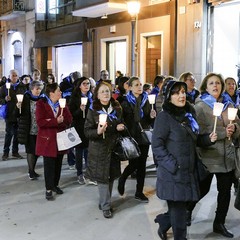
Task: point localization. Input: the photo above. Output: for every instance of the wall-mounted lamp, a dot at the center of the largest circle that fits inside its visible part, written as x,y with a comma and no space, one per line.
133,7
104,16
10,31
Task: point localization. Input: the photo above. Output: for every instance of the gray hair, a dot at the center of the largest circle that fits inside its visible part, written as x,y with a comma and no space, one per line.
34,84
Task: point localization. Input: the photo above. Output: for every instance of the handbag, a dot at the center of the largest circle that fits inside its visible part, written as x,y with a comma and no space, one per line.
3,111
126,148
237,199
146,135
67,139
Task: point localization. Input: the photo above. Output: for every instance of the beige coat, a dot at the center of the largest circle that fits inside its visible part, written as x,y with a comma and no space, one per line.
220,156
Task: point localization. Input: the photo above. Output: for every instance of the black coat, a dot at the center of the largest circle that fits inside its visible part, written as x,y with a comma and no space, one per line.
128,117
103,165
24,123
77,114
12,111
174,149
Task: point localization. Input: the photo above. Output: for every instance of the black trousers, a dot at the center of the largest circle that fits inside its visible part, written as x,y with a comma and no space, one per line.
175,218
224,184
138,164
177,214
52,171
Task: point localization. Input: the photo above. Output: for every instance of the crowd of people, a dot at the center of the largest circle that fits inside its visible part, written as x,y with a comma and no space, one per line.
184,134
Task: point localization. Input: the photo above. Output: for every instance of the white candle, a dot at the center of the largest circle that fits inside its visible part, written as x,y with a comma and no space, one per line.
19,97
217,110
152,99
62,103
8,85
102,120
232,112
84,102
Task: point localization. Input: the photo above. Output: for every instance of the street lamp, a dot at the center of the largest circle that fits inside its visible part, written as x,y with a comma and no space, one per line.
133,9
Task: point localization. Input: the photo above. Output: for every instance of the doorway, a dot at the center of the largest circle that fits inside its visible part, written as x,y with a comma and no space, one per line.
151,56
114,55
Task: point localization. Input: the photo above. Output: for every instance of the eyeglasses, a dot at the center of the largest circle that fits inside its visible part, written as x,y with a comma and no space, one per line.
191,79
86,83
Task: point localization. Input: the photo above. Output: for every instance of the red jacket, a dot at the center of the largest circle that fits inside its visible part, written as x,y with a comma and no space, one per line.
48,127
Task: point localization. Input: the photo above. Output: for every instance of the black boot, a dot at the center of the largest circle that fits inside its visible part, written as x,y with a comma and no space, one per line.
161,233
189,218
221,229
121,185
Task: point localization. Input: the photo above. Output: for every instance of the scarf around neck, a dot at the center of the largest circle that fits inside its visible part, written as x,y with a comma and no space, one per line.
53,105
183,115
210,100
132,99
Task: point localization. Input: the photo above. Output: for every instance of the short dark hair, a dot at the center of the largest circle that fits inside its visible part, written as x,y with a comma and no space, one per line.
51,88
131,80
158,79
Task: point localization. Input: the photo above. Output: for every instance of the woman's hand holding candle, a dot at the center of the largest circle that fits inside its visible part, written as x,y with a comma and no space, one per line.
102,126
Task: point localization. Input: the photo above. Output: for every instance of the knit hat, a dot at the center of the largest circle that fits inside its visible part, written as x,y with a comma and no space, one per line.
167,91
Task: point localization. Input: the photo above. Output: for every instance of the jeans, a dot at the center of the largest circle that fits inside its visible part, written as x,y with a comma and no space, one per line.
71,157
80,153
10,132
105,194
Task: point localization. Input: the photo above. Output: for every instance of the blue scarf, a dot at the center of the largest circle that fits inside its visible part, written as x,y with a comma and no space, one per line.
15,85
111,115
193,123
227,98
191,94
132,99
210,100
32,97
53,105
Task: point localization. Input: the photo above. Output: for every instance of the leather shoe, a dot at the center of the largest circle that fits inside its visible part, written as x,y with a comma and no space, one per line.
107,213
221,229
161,234
121,185
58,190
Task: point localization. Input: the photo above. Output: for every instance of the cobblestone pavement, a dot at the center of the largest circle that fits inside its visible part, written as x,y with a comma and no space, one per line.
26,215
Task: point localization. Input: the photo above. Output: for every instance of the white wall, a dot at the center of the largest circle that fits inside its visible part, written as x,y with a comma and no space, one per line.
68,59
226,40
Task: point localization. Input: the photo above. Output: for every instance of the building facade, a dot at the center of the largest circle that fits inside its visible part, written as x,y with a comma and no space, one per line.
59,37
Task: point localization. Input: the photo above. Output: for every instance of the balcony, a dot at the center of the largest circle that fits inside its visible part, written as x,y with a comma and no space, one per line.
98,8
11,9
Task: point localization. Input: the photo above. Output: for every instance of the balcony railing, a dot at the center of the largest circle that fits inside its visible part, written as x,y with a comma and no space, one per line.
8,6
11,9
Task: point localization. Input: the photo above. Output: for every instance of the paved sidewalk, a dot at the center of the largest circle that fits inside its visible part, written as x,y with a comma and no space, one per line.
25,214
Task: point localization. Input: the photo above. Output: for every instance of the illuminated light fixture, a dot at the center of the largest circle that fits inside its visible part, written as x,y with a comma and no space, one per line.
133,7
104,16
10,31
